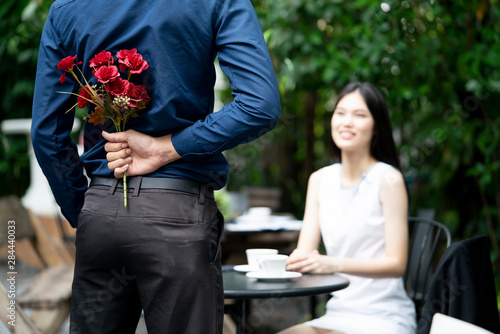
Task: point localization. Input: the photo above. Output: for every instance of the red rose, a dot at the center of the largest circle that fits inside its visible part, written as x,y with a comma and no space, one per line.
105,74
84,97
137,94
103,58
122,54
66,64
134,63
118,87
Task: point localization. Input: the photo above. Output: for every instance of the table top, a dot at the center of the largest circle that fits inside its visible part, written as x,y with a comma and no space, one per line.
262,224
238,286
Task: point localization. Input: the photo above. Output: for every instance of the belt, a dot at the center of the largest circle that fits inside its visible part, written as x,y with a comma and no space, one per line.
184,185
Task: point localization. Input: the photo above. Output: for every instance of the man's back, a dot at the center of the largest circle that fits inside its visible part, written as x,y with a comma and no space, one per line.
180,40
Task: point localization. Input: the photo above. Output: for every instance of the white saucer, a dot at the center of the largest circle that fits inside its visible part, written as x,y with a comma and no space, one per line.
262,276
245,268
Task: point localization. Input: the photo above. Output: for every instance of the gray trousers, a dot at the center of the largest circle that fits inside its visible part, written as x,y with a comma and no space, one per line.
161,254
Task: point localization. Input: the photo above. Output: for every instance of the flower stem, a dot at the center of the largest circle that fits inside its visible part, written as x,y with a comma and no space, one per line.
125,189
118,128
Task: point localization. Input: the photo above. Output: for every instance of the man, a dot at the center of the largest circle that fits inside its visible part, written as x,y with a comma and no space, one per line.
161,253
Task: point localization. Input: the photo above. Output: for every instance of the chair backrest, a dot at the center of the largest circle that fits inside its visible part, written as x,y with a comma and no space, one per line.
428,240
263,197
444,324
14,214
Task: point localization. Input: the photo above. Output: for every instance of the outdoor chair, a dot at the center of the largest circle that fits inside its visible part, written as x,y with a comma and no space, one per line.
47,295
263,197
428,240
463,287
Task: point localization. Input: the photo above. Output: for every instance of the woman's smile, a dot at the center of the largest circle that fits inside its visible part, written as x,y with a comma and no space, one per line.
352,123
346,135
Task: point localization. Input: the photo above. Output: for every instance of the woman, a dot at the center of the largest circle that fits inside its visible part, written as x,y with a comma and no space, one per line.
359,207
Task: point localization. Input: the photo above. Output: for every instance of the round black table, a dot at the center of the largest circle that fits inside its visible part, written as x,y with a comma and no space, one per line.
242,288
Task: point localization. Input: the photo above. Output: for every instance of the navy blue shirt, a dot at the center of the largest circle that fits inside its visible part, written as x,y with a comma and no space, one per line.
180,40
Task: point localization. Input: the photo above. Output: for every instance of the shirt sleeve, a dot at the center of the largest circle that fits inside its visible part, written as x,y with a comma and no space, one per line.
244,58
51,126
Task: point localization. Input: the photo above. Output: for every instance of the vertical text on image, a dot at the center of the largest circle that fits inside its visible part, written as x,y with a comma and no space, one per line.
11,273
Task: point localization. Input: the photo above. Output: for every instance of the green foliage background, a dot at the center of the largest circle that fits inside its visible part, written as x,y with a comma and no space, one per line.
21,23
437,65
435,61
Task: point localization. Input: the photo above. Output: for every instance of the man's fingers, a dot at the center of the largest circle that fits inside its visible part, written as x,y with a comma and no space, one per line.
120,171
122,154
117,137
120,163
114,147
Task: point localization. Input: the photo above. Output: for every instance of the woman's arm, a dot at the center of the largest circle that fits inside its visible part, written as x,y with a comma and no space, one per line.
310,233
394,200
395,210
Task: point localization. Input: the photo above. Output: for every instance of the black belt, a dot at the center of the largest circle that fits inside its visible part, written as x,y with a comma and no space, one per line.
187,186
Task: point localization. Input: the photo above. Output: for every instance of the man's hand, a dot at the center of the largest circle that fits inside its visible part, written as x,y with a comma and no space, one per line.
136,153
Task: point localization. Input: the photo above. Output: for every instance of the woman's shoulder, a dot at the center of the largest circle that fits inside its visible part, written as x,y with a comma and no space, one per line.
384,174
382,168
390,175
329,169
323,173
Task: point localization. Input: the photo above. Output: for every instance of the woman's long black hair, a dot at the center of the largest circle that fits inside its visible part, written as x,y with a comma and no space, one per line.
382,146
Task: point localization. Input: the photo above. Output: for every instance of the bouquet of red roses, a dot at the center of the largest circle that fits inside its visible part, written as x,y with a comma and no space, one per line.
114,99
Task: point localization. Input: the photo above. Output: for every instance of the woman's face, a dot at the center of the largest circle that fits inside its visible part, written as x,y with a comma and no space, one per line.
352,123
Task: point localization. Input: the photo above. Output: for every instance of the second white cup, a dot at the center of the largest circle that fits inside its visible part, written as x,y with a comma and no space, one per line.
273,264
253,255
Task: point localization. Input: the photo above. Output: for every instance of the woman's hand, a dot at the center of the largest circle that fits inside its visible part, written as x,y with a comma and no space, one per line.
310,262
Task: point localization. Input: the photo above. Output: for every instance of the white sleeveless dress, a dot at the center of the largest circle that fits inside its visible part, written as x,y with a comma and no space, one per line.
352,226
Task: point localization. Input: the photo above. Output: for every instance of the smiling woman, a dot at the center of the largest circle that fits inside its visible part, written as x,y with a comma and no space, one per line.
352,123
367,100
358,208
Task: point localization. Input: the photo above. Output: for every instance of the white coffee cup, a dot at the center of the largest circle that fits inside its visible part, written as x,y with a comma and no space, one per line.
273,264
259,211
253,255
